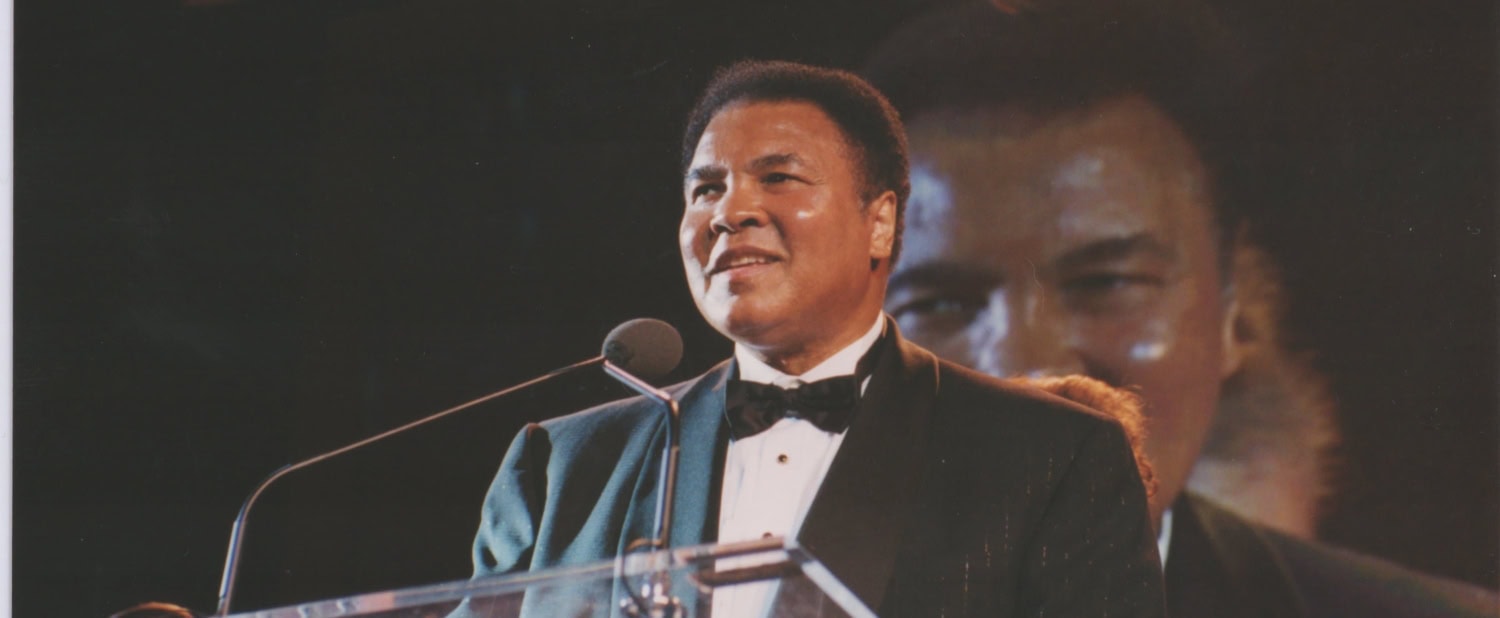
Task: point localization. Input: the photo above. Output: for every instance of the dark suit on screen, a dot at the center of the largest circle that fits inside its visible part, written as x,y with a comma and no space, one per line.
952,494
1220,565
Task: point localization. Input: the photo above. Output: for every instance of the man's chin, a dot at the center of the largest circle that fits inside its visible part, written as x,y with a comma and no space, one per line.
744,324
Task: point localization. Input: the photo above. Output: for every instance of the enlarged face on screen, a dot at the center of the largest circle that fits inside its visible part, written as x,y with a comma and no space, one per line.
776,240
1076,242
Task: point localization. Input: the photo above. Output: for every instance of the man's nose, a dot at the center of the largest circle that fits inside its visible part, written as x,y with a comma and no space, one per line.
1025,337
737,208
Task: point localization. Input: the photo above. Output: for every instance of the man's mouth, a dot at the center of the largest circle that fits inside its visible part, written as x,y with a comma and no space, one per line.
737,259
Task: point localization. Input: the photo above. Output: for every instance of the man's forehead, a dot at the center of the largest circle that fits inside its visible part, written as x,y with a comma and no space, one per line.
1081,196
1124,166
770,132
1128,121
1051,216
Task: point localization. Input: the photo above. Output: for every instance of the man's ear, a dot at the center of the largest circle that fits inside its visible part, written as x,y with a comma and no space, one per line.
1237,334
881,213
1252,304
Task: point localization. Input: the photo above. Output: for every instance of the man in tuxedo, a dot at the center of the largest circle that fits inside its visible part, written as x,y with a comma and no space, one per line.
1068,216
926,488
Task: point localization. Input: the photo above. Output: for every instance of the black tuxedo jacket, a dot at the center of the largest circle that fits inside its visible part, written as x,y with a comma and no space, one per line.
1222,566
953,494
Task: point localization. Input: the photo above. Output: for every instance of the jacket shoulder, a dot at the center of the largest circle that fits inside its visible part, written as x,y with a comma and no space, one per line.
605,417
987,399
1324,580
1335,581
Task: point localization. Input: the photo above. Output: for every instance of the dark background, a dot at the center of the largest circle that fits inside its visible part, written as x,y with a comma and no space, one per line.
250,231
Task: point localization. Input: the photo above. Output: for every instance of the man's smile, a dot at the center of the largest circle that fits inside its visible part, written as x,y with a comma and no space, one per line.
741,259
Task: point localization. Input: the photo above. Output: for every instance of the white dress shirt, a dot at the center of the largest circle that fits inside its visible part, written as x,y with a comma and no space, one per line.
770,478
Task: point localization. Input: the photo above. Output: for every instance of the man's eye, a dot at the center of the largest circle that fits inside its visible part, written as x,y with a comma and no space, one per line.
937,316
1103,282
706,189
777,177
938,307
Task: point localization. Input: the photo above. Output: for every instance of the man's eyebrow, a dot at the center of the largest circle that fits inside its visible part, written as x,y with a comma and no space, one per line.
778,159
1116,248
705,173
714,172
942,274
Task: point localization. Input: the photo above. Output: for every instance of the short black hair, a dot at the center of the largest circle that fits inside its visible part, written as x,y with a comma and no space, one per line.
1065,55
872,129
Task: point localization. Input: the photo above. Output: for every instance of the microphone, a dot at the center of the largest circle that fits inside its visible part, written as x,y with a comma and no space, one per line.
640,347
644,347
661,346
651,345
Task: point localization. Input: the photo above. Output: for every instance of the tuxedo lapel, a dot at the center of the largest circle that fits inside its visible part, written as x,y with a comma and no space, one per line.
1218,565
704,436
854,524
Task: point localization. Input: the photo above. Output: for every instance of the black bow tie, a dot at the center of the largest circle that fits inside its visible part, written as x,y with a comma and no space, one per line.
753,407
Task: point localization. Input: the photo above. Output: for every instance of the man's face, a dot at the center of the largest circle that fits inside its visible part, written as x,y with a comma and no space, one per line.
1073,243
775,239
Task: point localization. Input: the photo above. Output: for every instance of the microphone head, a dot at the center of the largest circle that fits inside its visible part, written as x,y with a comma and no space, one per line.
647,348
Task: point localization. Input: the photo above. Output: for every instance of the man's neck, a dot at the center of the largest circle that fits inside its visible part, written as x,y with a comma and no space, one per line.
809,358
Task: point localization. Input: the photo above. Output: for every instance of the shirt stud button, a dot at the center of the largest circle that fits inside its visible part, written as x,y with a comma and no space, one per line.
782,458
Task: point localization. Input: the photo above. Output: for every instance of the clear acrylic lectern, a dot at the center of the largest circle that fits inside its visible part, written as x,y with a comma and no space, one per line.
756,579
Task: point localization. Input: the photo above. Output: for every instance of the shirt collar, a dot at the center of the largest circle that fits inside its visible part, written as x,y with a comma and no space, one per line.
842,363
1164,540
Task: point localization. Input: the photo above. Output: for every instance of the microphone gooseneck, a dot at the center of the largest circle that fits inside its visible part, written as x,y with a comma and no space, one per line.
639,350
661,350
647,347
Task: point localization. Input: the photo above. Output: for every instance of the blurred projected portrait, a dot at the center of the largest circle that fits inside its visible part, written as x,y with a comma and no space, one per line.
1077,190
1069,215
